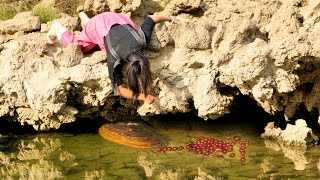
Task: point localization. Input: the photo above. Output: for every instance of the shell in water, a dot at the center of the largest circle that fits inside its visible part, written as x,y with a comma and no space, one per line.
132,134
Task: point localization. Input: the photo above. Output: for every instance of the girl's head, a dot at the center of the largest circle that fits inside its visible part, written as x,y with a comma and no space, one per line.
138,75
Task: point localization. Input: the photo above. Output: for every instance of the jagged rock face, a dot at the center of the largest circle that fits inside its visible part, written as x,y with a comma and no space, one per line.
269,50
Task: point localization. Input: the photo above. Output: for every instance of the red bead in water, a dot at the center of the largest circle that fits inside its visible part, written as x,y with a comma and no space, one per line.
169,148
247,142
242,159
232,155
175,148
180,147
237,138
243,153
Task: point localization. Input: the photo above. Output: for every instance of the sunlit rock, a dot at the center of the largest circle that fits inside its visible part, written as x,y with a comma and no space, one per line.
266,50
296,135
69,56
20,23
271,131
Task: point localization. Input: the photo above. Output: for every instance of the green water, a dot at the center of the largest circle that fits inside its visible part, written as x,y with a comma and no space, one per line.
66,155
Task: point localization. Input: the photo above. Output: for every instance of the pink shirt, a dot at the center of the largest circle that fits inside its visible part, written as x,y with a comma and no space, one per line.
98,27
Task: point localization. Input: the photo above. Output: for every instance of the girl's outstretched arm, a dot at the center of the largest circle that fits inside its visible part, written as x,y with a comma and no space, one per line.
127,93
158,18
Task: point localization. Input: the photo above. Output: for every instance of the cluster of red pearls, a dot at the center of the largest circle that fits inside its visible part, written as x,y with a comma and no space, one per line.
208,145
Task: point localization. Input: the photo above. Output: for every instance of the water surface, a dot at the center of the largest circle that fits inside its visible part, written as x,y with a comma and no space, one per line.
85,155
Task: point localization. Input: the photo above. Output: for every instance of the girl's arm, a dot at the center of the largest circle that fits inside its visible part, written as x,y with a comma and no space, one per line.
158,18
127,93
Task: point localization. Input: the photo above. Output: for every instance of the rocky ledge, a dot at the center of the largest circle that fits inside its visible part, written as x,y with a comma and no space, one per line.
268,50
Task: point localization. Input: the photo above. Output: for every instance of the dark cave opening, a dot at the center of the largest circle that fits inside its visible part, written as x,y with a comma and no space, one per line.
8,126
311,117
243,110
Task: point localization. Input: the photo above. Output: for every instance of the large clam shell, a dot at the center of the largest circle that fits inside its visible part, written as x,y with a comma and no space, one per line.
133,135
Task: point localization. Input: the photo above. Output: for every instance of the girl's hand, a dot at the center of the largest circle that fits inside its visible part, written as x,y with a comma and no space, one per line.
177,20
150,99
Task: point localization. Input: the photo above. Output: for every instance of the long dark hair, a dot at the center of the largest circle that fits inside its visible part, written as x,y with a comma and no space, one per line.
138,75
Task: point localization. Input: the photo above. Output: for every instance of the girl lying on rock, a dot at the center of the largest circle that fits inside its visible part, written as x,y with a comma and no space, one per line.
123,41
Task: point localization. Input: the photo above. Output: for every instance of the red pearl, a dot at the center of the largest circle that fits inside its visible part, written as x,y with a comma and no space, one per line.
232,155
237,138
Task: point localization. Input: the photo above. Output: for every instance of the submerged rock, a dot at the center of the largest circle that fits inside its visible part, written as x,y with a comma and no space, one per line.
295,154
148,166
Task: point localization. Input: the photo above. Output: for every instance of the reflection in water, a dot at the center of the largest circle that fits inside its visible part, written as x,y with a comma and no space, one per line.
296,154
90,175
88,156
171,174
33,161
147,165
202,175
266,167
37,149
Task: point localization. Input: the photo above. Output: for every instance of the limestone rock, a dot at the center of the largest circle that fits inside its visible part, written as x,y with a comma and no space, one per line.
69,56
296,135
192,35
23,15
28,24
266,50
69,22
176,6
94,58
